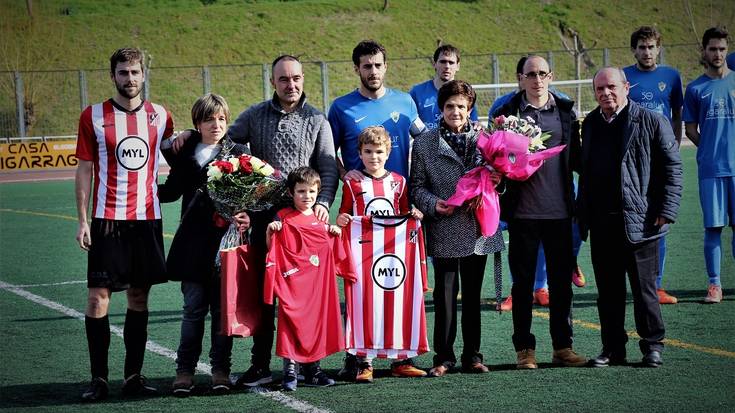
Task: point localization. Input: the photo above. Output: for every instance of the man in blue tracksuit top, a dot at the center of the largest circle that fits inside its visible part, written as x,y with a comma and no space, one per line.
446,66
658,88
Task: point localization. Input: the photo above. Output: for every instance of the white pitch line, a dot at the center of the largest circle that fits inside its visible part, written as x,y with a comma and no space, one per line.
32,179
287,401
50,284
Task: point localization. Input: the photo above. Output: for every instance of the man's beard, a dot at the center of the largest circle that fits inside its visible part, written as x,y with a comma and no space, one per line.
366,83
124,92
647,66
708,63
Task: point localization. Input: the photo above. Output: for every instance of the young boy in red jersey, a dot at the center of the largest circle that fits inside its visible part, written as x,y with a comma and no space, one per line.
303,256
379,192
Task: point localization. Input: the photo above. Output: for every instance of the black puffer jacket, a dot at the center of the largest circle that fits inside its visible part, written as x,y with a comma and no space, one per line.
651,174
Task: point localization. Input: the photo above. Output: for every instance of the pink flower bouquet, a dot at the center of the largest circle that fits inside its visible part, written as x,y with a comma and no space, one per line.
515,150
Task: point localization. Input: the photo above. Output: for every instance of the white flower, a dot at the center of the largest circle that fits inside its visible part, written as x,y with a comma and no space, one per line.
235,163
265,170
213,173
261,167
256,163
536,144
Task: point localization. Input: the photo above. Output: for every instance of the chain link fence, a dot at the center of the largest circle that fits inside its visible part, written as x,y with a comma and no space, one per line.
48,103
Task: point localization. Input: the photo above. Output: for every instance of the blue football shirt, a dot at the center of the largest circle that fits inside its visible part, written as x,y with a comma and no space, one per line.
395,111
498,103
658,90
711,104
731,61
424,95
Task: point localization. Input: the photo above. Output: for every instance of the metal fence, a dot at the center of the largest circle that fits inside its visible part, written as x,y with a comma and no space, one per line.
44,103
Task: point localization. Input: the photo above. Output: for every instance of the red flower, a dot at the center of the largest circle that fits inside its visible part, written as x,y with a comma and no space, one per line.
245,164
224,166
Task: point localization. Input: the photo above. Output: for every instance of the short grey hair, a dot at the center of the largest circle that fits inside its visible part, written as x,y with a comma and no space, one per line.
616,69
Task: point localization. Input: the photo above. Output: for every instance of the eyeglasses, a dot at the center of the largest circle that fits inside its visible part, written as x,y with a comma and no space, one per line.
536,75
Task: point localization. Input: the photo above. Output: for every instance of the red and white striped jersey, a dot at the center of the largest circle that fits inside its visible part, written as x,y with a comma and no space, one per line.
124,148
385,306
387,195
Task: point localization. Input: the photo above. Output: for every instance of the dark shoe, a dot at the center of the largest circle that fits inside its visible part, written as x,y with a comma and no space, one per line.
96,391
608,358
221,383
317,378
183,384
254,376
349,370
137,385
653,359
475,368
438,371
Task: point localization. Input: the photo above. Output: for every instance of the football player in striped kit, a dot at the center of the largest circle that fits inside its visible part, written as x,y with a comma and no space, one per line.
118,152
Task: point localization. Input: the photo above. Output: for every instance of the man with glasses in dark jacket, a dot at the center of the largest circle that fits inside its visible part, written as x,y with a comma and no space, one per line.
539,212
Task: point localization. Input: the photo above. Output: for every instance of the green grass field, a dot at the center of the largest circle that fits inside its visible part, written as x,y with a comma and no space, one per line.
44,362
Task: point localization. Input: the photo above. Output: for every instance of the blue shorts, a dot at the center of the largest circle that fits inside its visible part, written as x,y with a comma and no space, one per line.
717,197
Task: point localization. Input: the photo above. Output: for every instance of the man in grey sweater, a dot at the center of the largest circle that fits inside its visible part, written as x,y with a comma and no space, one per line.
287,133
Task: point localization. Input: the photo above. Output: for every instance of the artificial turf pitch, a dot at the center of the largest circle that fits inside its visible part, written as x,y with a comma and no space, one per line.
44,362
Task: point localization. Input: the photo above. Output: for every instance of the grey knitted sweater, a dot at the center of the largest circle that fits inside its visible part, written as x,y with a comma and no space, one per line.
290,140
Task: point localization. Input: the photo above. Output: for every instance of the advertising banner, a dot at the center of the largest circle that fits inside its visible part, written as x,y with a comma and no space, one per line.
38,155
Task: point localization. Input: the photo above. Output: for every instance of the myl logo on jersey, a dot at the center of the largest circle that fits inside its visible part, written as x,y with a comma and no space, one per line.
379,206
389,272
132,153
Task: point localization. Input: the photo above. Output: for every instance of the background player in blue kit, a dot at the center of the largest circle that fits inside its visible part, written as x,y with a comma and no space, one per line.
731,61
373,104
658,88
446,65
709,119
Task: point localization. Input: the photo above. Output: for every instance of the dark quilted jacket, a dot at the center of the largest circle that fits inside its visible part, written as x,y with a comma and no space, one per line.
651,174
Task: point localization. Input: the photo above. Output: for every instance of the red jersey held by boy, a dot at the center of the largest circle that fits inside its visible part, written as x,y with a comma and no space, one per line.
300,271
385,307
124,148
386,195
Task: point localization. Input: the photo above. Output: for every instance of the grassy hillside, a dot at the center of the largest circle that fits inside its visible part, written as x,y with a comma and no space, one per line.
81,34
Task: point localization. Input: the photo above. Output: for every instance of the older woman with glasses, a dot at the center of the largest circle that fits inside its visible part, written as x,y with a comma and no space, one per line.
440,157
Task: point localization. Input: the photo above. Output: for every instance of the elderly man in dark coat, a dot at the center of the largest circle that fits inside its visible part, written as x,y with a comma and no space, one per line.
629,192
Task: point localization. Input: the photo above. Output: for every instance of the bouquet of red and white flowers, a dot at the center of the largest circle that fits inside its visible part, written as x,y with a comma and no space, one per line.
240,183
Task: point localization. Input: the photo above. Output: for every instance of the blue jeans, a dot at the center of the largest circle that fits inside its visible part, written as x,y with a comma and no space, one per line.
200,299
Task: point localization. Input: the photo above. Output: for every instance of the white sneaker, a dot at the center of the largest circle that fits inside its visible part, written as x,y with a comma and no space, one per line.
714,294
